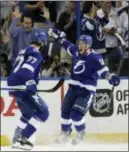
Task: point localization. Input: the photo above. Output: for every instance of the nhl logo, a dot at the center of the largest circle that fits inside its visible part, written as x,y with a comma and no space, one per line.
102,104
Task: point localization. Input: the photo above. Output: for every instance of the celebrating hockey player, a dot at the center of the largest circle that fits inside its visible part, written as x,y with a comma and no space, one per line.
25,77
87,67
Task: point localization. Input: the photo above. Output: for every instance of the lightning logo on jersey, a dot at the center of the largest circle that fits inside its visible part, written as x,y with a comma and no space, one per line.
79,67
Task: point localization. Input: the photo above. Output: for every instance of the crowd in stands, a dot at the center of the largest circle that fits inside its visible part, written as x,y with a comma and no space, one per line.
19,18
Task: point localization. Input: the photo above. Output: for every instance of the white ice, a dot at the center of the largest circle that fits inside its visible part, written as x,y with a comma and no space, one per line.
82,147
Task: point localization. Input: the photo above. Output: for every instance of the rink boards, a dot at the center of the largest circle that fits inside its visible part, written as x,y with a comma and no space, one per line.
106,120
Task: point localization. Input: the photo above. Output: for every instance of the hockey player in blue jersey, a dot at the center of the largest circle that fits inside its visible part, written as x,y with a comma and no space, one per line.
25,76
87,67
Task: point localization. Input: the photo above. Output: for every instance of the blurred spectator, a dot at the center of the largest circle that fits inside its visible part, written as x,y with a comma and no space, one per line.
3,70
20,34
65,69
67,21
3,58
52,7
35,10
51,67
91,26
111,28
39,13
65,58
5,9
3,65
61,7
112,45
5,20
122,20
100,16
125,3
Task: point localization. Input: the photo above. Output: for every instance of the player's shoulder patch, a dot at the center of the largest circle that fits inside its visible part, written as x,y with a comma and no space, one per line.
22,51
35,50
32,50
101,61
89,25
98,58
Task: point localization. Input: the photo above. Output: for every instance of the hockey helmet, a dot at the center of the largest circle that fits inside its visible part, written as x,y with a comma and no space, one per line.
86,39
38,36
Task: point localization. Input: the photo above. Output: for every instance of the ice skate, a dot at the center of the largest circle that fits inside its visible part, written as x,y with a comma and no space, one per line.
79,138
16,134
22,143
64,138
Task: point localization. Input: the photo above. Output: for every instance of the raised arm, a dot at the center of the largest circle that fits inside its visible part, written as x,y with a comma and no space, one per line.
71,48
14,29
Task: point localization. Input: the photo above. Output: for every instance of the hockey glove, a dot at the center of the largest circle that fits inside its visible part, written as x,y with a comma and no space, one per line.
31,86
114,80
57,34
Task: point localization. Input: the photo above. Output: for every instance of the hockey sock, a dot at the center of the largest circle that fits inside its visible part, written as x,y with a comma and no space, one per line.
31,128
22,124
78,120
65,122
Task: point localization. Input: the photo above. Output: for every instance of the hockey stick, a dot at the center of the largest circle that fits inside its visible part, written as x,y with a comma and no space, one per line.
121,61
55,88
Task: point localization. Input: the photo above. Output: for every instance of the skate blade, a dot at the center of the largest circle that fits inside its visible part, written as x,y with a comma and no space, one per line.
59,143
21,148
75,143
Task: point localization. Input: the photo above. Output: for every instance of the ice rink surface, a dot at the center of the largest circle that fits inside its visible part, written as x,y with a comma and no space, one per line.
81,147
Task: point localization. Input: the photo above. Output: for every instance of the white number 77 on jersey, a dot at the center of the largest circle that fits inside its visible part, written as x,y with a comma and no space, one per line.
19,62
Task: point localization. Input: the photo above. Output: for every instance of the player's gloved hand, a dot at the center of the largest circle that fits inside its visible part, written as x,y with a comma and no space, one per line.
31,86
114,80
57,34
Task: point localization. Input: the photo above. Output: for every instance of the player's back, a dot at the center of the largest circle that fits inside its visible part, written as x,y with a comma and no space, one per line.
26,67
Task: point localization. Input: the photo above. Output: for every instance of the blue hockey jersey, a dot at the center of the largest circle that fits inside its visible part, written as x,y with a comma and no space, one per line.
93,28
27,66
86,69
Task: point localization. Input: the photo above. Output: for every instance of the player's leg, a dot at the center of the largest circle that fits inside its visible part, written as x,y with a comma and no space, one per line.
21,125
66,107
66,122
78,112
40,114
39,110
23,121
